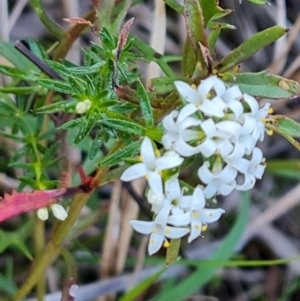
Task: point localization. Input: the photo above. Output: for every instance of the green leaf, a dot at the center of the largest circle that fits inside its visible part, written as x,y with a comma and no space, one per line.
213,37
142,286
16,58
262,84
72,123
122,154
259,2
78,84
58,106
17,73
285,127
249,47
174,5
16,239
37,49
95,148
21,90
124,126
192,53
150,55
289,169
86,70
56,85
288,126
204,273
163,85
211,9
7,286
145,104
57,67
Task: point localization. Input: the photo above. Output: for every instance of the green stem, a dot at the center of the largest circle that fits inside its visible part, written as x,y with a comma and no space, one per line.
39,244
48,23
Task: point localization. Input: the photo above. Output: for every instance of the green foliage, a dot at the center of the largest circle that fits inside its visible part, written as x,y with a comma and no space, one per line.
104,109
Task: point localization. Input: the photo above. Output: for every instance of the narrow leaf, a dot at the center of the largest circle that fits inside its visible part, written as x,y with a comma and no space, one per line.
142,286
122,154
56,85
16,58
192,53
124,126
86,70
285,127
250,46
145,104
262,84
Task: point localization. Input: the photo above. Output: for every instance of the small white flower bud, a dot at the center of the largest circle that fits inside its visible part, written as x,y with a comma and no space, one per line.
83,106
42,213
59,212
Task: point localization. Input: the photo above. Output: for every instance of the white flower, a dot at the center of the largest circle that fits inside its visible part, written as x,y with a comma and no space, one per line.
255,170
236,159
83,106
174,196
256,117
201,99
198,216
219,180
158,230
232,97
155,199
177,134
217,137
151,166
58,211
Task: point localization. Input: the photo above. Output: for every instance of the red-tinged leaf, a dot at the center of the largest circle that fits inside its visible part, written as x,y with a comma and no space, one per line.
20,202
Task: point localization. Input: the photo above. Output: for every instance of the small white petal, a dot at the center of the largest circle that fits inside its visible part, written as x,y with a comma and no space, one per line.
196,227
252,102
184,149
180,219
204,174
210,190
169,160
173,232
228,174
147,152
198,199
214,107
155,242
232,94
141,226
207,148
186,91
134,172
187,111
172,188
155,182
211,215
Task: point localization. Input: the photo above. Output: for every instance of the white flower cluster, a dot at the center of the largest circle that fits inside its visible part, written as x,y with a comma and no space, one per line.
222,125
